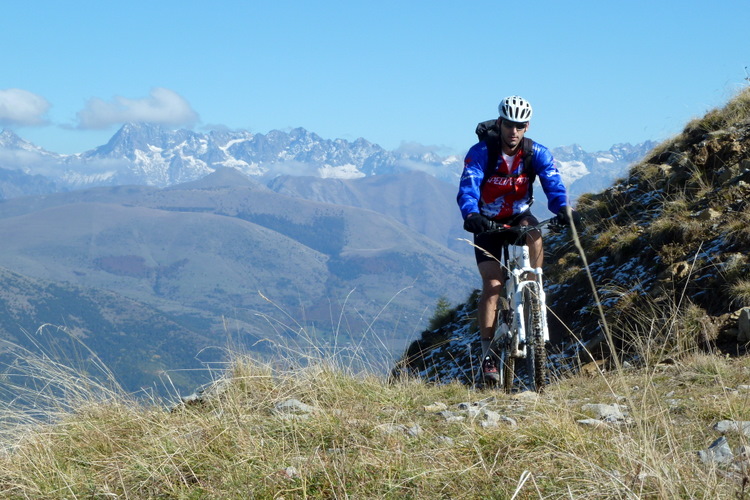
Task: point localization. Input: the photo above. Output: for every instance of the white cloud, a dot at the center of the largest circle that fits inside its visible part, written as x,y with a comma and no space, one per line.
162,106
21,107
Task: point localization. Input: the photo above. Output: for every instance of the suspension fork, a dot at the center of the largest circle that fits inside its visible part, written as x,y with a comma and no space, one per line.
519,347
538,290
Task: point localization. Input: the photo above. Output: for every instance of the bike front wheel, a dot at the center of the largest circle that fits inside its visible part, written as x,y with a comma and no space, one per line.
507,369
536,351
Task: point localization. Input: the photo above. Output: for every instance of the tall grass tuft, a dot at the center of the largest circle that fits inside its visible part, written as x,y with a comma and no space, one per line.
737,110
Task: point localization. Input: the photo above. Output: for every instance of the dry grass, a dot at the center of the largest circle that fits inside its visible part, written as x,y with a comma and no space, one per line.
356,443
367,438
737,229
737,110
676,229
740,292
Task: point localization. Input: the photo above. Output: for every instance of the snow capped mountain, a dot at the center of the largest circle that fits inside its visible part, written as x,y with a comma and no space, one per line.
19,154
592,172
9,141
155,156
25,168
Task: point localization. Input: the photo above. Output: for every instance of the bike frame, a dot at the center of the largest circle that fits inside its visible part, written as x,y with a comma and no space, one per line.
517,263
521,334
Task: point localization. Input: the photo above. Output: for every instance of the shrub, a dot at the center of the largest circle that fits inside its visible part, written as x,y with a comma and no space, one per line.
443,314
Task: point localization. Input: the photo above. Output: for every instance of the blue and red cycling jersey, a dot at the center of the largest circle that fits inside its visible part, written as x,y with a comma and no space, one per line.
507,191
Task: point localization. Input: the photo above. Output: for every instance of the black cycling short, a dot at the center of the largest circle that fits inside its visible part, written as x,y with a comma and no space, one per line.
492,243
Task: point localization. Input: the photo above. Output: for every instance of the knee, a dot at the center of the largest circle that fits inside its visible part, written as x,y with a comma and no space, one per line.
491,289
534,239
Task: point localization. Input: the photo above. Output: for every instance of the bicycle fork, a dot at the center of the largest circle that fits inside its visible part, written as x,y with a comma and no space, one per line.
519,342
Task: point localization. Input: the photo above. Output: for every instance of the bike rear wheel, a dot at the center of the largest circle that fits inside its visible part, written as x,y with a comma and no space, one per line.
536,351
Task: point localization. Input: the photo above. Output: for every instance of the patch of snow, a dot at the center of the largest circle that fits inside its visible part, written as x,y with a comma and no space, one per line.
571,171
347,171
232,142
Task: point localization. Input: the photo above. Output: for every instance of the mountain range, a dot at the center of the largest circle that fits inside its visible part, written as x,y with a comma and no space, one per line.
276,241
151,155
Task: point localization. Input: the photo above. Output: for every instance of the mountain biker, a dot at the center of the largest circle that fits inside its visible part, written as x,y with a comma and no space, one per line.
502,193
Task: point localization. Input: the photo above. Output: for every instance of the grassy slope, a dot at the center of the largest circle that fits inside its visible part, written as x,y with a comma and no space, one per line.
139,344
370,439
669,241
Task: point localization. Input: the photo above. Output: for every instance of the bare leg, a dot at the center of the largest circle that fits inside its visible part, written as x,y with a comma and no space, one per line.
492,287
536,249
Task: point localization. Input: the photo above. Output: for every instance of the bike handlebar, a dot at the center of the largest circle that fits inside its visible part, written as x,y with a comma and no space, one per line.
519,231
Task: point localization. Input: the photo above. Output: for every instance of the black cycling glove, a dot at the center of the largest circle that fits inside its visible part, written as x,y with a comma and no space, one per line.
565,219
477,223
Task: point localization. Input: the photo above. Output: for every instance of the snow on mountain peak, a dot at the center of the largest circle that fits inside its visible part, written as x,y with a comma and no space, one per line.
9,140
154,155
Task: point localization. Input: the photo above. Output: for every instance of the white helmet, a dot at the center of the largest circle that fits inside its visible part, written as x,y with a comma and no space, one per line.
515,109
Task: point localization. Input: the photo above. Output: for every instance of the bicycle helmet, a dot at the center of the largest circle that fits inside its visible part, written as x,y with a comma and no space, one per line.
515,109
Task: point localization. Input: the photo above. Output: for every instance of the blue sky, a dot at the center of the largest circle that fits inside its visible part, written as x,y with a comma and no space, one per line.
394,72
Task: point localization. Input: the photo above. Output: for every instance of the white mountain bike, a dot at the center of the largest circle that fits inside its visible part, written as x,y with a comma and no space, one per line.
521,331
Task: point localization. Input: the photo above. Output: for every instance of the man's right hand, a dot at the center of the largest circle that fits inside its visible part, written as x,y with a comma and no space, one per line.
477,223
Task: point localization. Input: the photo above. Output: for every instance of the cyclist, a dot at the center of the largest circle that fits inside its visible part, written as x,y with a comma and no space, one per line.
502,193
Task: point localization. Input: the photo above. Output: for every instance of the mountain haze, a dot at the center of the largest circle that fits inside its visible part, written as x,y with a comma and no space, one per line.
418,200
142,345
226,251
